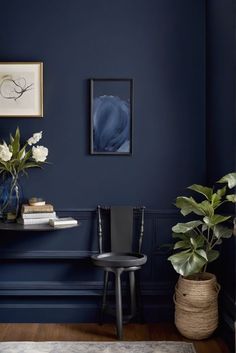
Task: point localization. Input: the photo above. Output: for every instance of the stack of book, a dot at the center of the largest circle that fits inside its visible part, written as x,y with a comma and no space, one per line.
37,214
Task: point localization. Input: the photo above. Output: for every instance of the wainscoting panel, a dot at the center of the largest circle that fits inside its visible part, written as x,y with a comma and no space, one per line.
49,277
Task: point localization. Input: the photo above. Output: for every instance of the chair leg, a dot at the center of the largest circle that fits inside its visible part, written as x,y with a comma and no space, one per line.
104,296
132,293
118,272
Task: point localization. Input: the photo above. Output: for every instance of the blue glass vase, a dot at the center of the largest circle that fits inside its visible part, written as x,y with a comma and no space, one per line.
10,199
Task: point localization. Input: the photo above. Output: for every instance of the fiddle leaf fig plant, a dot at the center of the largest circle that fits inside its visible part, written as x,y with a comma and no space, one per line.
196,240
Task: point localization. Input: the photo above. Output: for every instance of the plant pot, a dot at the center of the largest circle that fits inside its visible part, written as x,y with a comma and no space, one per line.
196,305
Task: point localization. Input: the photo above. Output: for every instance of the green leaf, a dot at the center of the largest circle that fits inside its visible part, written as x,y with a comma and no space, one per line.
5,165
183,236
178,257
179,236
10,148
206,208
202,253
200,240
190,242
16,142
188,205
229,179
212,255
204,190
215,200
185,227
32,165
222,232
187,262
21,153
193,243
25,159
27,155
221,192
182,244
231,198
11,138
215,219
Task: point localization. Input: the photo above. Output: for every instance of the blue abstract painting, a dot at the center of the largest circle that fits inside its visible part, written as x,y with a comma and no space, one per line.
111,124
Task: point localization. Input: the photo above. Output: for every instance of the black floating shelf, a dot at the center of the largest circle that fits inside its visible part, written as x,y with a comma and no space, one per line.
15,227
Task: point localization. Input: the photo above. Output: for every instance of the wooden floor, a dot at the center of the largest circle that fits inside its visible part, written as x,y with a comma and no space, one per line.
106,332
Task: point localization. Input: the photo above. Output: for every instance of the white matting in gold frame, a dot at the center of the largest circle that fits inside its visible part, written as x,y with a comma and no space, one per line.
21,89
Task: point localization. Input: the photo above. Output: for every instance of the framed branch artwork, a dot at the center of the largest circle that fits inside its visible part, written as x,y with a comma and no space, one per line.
111,116
21,89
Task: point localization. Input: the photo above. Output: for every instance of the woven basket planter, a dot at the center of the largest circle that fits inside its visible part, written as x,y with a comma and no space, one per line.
196,305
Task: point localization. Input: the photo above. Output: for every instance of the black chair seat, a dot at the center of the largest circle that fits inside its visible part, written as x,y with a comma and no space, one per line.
112,259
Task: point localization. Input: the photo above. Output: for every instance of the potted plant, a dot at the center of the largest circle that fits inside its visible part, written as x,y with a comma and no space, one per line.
16,160
197,241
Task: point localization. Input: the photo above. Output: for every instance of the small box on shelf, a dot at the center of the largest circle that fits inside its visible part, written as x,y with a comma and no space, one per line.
62,222
36,201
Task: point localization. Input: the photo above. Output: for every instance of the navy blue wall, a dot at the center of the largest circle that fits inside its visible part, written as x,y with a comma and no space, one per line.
159,43
220,87
221,127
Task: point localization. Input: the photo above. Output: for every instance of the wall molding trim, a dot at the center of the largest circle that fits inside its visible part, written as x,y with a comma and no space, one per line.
8,254
148,211
66,288
69,288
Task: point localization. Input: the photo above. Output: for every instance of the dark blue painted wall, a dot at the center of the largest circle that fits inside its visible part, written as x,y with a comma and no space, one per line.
221,129
158,43
220,87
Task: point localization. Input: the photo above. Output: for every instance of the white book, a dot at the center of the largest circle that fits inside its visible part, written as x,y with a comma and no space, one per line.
39,215
63,222
33,220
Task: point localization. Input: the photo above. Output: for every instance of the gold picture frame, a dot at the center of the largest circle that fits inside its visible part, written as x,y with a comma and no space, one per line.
21,89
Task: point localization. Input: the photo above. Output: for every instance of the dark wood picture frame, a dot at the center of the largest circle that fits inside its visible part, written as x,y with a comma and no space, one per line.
104,103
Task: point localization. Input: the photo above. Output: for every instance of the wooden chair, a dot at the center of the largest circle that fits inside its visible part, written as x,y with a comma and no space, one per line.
120,259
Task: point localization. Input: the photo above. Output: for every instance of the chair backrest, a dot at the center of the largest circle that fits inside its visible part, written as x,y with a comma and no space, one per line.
121,228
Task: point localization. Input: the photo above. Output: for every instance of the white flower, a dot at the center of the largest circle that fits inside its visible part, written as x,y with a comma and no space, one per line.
39,153
35,138
5,153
